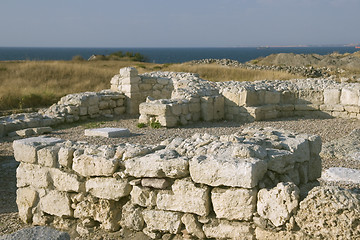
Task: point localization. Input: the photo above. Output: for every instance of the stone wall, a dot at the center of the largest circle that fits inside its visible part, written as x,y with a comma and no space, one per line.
200,184
71,108
242,186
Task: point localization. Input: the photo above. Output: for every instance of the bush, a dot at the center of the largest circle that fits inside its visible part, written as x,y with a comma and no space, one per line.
78,58
155,124
141,125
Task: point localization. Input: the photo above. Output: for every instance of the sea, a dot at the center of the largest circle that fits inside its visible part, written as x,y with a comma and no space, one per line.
162,55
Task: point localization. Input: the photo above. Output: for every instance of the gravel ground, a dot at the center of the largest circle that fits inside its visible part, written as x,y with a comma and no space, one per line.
328,129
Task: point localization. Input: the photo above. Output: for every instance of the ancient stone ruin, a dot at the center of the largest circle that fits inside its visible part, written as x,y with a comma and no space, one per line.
249,185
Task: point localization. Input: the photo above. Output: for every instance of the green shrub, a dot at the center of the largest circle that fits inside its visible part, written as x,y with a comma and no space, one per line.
141,125
155,124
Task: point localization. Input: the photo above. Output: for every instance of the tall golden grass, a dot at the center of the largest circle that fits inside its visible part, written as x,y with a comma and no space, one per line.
26,84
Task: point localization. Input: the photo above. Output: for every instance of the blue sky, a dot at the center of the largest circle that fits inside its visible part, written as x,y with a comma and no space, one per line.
185,23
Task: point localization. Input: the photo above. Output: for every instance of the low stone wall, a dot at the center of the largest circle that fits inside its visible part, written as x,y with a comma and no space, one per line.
205,186
70,108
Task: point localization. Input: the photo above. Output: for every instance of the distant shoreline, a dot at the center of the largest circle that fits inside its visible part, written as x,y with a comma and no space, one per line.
163,55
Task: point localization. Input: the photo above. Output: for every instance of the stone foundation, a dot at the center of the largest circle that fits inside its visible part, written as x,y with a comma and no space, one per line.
206,186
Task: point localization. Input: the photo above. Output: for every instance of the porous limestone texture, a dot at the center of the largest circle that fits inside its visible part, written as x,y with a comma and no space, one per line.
330,213
205,186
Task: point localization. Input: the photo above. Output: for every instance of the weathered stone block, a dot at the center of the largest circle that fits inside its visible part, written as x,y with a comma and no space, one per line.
349,96
278,203
108,188
219,110
159,183
249,98
25,149
156,109
272,97
223,229
234,203
194,107
168,121
128,72
308,96
157,220
280,161
185,197
56,203
32,175
26,199
163,163
65,156
88,165
332,96
299,147
131,217
47,156
66,182
143,196
233,172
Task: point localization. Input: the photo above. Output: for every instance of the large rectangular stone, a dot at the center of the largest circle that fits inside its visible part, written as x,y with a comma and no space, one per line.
163,163
88,165
56,203
156,109
32,175
48,156
219,108
223,229
207,108
157,220
331,96
25,150
233,172
272,97
234,203
185,197
108,188
349,96
65,182
108,132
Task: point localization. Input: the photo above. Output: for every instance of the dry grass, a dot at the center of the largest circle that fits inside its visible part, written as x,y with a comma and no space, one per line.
41,83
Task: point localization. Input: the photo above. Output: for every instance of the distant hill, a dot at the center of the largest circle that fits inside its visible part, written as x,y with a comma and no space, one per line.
334,60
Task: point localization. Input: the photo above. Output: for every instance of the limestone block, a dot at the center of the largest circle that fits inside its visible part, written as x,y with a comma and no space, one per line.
157,220
119,110
219,110
107,212
128,72
156,109
25,149
65,156
352,109
280,161
145,86
308,96
92,110
194,107
234,203
278,203
103,105
249,98
272,97
176,109
207,108
192,226
341,174
32,175
159,183
162,163
242,150
337,107
223,229
26,199
143,196
184,108
285,107
195,116
83,111
233,172
329,213
47,156
127,88
108,132
56,203
93,100
88,165
332,96
232,98
108,188
299,147
349,96
66,182
130,80
120,102
131,217
185,197
306,107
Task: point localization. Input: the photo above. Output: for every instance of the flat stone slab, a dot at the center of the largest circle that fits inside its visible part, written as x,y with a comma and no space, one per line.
339,174
38,232
107,132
